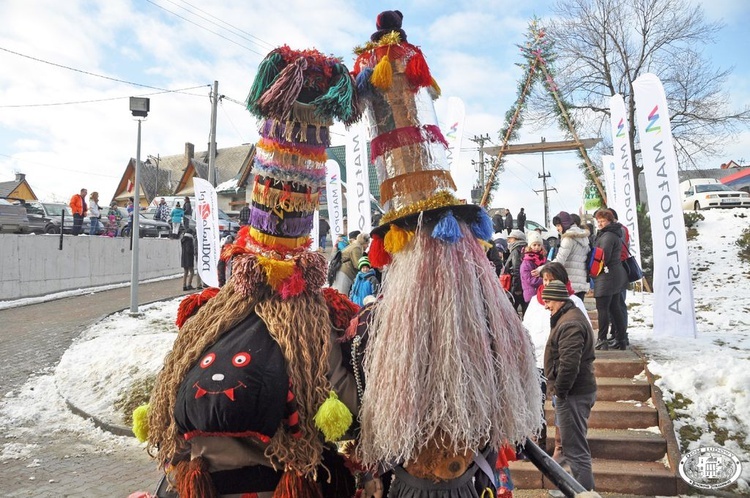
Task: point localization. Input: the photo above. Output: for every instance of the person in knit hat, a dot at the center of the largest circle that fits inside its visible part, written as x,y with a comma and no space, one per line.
516,248
449,375
255,388
573,252
365,283
534,256
569,368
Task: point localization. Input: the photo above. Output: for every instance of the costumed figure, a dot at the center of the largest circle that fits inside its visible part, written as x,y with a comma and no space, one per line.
254,386
449,372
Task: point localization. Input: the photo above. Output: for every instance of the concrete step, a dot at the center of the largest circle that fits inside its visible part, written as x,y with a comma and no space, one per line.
620,444
621,388
615,415
613,476
616,363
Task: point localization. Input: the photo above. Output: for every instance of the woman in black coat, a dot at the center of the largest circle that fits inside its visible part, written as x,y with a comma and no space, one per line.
611,281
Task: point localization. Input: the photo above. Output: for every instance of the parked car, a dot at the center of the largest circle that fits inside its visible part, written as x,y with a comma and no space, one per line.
713,195
13,216
227,225
45,217
147,227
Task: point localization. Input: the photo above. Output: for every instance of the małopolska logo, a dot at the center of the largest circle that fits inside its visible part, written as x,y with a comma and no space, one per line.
205,211
711,467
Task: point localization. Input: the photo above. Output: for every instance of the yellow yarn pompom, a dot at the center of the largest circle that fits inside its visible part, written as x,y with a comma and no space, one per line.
333,418
382,74
396,239
276,270
140,423
485,245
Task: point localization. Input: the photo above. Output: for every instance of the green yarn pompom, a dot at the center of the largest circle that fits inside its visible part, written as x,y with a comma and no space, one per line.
333,418
140,423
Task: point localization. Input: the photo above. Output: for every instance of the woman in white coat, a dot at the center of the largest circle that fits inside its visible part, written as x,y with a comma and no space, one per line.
573,252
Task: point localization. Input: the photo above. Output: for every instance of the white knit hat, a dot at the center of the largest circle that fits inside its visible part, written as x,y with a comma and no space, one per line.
534,237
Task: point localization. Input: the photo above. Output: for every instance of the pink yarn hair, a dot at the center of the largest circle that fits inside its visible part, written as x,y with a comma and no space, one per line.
447,355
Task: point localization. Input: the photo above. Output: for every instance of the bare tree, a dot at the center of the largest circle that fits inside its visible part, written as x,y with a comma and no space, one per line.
602,46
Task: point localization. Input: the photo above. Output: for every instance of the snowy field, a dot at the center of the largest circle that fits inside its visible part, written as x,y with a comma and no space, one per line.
707,378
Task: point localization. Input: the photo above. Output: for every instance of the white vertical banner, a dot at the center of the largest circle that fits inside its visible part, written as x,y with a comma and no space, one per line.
626,204
315,235
674,311
206,214
358,212
610,180
333,197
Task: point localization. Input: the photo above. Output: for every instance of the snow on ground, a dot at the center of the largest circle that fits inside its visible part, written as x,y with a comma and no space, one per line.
712,371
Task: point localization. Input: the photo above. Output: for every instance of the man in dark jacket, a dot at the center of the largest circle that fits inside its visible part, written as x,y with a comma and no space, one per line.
521,220
497,223
569,368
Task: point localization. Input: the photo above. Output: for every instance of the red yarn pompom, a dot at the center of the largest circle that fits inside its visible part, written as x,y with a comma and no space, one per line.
377,254
417,71
192,303
293,286
340,308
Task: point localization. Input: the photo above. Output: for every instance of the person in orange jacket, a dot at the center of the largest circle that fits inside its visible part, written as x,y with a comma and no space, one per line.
79,208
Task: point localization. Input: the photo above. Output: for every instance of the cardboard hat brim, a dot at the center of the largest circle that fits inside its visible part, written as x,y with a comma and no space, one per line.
465,212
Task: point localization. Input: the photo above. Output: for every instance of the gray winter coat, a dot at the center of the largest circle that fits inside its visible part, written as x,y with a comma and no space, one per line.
572,254
613,279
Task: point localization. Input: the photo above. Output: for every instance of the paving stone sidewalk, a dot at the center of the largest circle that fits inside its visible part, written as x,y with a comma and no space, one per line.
34,338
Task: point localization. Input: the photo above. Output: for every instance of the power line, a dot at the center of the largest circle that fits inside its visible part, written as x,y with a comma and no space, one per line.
238,31
50,104
226,115
84,72
58,168
205,28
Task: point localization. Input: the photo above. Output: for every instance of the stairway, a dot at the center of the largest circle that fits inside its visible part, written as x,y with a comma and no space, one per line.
628,449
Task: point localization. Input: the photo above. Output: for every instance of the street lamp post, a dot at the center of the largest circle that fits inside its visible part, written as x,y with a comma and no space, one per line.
139,107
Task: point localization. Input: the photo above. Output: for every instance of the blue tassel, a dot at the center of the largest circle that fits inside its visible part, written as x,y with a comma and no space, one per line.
482,227
447,229
364,87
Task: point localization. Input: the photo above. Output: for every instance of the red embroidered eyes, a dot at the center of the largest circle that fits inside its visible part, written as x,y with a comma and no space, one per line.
207,360
241,359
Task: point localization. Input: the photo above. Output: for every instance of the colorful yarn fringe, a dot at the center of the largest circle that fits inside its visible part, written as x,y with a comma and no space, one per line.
401,137
256,274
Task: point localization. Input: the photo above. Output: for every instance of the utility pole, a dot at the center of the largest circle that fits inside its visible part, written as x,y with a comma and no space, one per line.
476,193
212,139
544,177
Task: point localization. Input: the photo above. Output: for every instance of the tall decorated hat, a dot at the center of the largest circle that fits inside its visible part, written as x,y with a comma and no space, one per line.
296,94
407,146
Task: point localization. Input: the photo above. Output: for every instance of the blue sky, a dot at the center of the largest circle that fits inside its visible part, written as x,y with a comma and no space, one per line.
470,46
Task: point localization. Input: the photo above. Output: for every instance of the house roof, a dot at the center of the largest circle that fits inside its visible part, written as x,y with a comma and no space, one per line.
14,187
7,187
170,175
231,166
